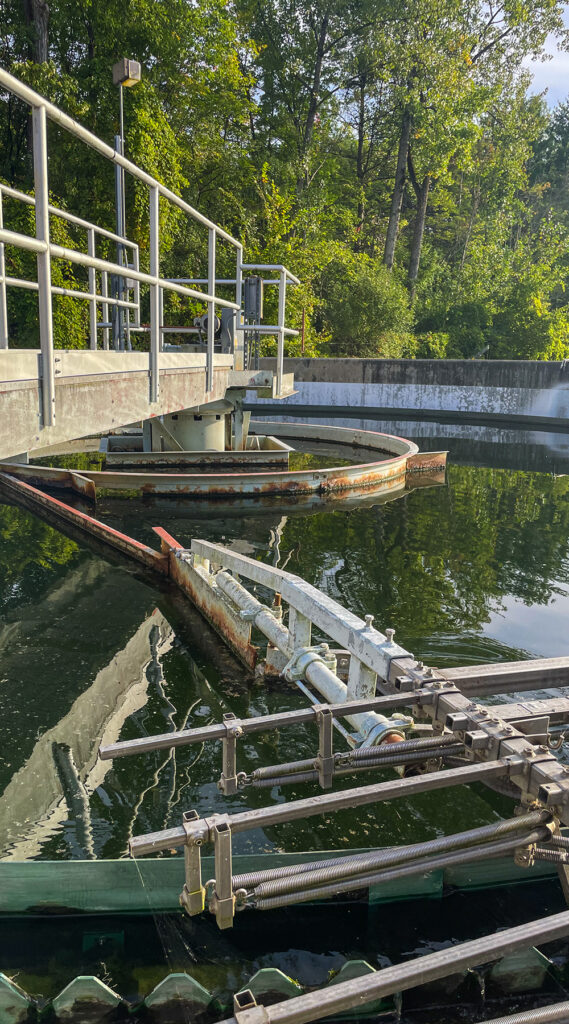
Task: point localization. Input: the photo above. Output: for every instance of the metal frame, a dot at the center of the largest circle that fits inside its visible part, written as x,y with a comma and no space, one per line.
336,999
45,250
494,747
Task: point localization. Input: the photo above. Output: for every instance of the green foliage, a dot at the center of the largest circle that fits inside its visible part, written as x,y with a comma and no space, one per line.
284,123
365,308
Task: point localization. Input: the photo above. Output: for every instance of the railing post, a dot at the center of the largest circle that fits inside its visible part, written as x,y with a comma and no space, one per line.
93,290
3,303
136,266
105,307
210,310
238,336
281,325
161,318
154,296
39,123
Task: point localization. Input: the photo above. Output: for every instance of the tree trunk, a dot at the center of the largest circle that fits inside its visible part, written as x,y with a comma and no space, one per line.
314,101
360,163
398,190
418,230
36,13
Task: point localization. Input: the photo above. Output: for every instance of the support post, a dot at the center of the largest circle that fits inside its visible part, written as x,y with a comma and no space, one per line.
39,122
118,331
224,900
228,781
238,336
281,326
300,628
210,310
3,303
92,290
325,759
362,681
193,894
154,296
105,308
136,268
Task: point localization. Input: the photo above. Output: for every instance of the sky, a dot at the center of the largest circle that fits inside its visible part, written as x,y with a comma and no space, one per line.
553,74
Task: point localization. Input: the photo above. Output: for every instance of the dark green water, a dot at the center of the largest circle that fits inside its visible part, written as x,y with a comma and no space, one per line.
473,571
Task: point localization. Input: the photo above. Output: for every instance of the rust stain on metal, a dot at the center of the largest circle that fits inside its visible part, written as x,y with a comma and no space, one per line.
232,629
379,476
87,524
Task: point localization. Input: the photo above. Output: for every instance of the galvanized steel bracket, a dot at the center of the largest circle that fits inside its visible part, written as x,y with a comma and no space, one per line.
303,657
222,902
325,762
192,896
229,782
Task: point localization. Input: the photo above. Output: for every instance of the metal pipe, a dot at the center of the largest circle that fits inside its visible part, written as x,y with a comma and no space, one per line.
426,864
332,689
154,369
419,971
3,302
83,259
92,290
210,310
55,211
47,380
328,803
262,723
34,99
557,1012
400,855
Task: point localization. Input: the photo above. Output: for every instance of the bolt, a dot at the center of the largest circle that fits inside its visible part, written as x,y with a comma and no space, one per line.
369,620
389,634
428,672
420,666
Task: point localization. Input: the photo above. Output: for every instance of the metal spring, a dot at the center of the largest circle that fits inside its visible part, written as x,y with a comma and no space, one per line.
267,781
407,746
255,878
425,864
559,1012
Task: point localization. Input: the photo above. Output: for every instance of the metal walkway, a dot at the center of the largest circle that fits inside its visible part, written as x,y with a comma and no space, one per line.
49,396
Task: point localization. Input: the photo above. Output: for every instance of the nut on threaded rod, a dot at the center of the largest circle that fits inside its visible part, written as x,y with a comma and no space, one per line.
389,634
553,856
369,621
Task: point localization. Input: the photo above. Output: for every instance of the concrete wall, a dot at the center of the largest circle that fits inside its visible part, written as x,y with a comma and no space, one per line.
502,392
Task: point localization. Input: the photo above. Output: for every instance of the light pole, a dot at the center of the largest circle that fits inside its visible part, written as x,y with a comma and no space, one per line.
125,73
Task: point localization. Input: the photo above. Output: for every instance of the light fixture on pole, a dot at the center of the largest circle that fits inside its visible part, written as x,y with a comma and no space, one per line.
125,73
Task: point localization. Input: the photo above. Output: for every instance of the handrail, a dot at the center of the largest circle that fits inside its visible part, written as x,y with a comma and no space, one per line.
130,274
35,99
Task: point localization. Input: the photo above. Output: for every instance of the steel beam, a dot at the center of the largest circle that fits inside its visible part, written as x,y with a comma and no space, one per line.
509,676
399,978
265,817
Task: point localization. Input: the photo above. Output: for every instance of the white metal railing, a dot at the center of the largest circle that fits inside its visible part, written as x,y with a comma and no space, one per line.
279,329
104,299
99,269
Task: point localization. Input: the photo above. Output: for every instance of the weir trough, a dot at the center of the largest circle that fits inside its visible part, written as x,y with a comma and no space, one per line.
400,465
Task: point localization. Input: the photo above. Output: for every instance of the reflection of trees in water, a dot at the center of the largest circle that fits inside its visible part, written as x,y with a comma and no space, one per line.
439,560
27,547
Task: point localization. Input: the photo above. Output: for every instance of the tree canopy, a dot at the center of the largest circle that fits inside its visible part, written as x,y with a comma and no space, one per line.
387,150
